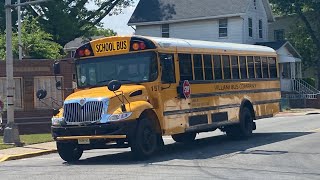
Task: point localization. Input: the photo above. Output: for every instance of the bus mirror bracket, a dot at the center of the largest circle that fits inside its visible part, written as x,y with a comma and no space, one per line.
56,68
114,86
42,94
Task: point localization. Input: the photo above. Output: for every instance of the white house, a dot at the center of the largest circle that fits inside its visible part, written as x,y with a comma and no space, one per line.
238,21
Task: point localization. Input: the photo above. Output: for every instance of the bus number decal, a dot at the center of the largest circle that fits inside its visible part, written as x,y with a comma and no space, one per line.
155,88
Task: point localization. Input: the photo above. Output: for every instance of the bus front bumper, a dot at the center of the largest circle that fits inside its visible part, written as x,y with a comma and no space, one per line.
110,131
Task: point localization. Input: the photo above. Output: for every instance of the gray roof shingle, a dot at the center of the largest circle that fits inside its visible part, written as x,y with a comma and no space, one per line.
171,10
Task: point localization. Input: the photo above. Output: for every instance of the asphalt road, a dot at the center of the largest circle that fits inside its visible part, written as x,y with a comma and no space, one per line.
281,148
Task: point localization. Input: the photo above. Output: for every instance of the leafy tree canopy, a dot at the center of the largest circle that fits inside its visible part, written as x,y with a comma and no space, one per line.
37,43
69,19
306,35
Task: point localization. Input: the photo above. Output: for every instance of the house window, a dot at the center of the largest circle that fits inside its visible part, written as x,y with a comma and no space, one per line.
165,30
223,27
250,27
279,35
260,29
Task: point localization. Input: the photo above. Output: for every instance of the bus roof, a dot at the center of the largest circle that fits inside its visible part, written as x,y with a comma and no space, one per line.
185,43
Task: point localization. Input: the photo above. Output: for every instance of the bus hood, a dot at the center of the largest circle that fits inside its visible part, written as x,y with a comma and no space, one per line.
104,92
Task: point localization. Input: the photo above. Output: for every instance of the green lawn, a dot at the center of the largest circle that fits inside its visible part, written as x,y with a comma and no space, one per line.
29,139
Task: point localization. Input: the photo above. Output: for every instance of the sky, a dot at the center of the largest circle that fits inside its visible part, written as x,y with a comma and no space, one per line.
118,23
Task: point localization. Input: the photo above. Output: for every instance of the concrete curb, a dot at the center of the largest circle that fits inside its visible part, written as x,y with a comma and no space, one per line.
27,155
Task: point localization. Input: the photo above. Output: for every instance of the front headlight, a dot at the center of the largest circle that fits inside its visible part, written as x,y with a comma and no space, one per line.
118,117
57,121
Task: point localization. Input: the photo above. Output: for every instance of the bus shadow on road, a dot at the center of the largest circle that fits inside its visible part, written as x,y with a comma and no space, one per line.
206,148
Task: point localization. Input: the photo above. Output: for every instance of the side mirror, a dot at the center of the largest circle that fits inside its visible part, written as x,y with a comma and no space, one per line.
58,84
56,68
41,94
114,85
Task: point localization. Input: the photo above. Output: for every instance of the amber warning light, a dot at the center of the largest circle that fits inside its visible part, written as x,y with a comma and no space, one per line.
138,46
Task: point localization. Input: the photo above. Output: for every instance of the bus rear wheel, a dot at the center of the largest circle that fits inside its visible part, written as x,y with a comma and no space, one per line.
69,152
184,137
244,128
144,142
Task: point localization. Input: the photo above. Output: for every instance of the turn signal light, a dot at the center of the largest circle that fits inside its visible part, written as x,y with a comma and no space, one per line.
87,52
135,46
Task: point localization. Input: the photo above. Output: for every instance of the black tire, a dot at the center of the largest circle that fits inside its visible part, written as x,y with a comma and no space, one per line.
184,137
69,152
145,141
244,128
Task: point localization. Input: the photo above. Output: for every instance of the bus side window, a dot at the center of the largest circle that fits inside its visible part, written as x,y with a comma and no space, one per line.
226,67
273,67
198,70
235,67
243,67
167,67
185,67
250,67
208,66
265,68
257,65
217,67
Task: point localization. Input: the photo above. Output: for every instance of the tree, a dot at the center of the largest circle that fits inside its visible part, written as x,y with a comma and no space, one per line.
306,37
100,32
69,19
37,43
3,16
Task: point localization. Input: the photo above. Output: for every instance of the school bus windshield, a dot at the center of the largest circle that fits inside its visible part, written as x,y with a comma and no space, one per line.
127,68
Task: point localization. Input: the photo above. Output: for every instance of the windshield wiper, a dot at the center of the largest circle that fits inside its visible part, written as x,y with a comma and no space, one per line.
107,80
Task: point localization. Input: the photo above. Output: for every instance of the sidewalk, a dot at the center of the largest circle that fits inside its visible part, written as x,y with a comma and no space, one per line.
298,112
27,151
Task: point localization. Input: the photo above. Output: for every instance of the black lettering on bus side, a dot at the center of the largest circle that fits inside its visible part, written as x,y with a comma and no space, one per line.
113,47
103,47
98,48
124,44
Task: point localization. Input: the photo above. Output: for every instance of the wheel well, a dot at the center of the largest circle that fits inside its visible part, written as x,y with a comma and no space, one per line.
247,104
153,116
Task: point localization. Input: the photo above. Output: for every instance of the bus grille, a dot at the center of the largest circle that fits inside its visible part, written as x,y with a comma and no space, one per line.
89,112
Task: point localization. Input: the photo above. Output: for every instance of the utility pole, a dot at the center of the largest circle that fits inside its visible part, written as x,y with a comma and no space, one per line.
19,31
11,133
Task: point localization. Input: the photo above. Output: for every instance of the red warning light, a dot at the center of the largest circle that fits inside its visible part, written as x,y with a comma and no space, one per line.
142,46
81,53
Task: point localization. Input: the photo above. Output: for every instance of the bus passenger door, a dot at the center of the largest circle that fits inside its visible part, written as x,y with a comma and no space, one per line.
169,96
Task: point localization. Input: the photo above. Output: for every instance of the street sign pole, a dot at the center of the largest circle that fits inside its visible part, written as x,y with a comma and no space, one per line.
11,133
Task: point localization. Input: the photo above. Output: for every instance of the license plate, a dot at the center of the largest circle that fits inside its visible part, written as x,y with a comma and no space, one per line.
83,141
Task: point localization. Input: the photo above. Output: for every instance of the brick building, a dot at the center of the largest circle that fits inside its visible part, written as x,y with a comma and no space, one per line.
31,115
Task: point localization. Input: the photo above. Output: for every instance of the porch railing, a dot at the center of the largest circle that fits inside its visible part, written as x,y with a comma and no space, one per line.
304,90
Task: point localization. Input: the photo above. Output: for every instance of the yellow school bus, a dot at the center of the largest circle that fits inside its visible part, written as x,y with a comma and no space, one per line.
132,90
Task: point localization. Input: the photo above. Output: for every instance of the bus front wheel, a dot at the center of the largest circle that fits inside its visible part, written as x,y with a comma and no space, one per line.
184,137
69,151
145,140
